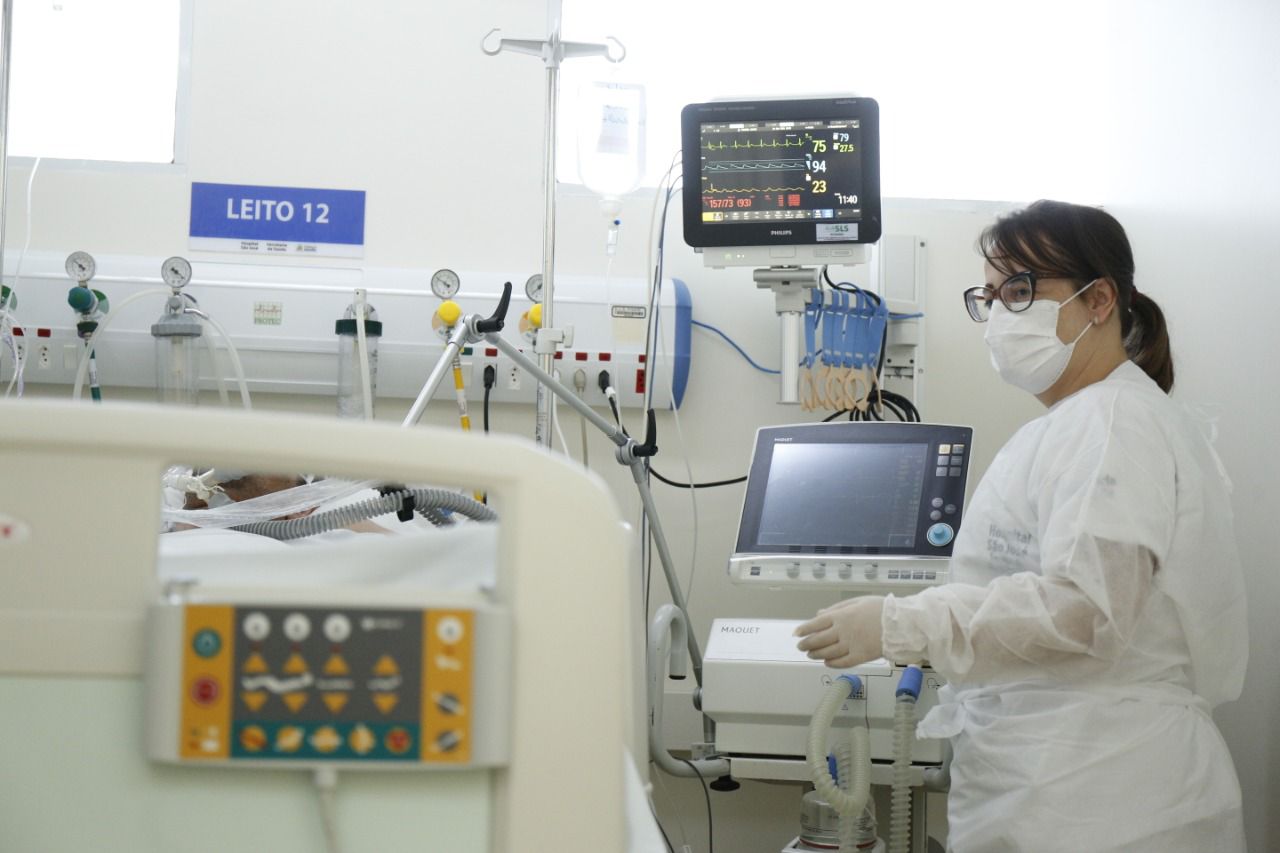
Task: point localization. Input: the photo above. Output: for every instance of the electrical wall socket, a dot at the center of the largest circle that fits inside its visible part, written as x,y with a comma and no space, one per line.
42,356
512,378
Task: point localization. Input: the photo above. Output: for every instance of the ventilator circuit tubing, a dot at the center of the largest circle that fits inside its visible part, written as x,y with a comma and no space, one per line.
82,371
423,500
904,720
850,802
668,638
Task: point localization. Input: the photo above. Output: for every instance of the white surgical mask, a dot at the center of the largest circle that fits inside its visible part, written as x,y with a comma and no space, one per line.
1024,345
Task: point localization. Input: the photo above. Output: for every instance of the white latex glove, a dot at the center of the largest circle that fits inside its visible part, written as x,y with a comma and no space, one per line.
847,634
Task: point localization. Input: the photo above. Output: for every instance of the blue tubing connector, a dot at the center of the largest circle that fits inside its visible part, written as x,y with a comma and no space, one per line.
832,768
909,684
855,684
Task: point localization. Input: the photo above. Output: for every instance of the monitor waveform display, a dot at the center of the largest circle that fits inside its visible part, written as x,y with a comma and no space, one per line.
771,171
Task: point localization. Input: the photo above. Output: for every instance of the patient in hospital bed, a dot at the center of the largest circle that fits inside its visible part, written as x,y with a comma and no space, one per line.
412,553
244,487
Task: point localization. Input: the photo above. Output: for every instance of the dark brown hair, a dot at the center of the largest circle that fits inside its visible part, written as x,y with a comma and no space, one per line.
1084,243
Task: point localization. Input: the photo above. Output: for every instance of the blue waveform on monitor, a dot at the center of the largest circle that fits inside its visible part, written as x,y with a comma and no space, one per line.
755,166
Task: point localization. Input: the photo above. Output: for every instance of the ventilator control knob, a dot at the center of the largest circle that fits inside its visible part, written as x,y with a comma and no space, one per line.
940,535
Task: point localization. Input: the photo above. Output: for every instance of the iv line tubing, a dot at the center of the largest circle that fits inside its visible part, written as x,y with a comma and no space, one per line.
362,341
231,351
217,374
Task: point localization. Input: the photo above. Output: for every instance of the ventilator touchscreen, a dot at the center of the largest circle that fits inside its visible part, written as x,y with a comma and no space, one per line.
861,495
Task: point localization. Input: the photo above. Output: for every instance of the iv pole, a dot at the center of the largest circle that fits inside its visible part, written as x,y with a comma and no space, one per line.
553,52
4,124
473,328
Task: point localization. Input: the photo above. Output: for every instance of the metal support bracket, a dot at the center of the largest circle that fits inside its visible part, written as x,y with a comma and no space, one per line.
789,286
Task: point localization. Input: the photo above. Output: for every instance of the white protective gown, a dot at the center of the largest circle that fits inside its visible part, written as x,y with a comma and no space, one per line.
1096,616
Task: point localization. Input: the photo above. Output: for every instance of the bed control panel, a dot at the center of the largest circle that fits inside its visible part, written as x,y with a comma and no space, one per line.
253,683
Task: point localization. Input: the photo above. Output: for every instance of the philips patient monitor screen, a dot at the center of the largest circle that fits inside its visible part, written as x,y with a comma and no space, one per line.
765,173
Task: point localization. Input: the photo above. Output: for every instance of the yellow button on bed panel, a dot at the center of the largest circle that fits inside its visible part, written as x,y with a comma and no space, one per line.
207,693
336,666
295,701
447,663
295,665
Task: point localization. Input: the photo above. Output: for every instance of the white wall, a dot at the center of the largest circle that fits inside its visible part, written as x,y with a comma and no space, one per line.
1198,183
383,96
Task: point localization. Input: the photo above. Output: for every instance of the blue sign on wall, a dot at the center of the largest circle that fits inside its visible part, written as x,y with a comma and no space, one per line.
277,220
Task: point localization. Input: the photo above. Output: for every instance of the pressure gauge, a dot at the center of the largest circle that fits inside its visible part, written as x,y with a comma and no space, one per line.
176,271
445,283
81,266
533,288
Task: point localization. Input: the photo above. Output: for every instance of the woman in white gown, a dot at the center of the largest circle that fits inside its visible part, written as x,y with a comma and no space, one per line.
1097,609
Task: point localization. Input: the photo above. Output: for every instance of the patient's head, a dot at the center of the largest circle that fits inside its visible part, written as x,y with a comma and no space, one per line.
249,486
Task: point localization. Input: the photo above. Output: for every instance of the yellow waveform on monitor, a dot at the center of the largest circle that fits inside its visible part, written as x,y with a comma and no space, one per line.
714,189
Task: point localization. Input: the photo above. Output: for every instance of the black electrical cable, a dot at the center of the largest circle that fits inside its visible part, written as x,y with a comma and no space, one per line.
617,418
713,485
847,287
711,835
663,831
899,405
490,377
908,409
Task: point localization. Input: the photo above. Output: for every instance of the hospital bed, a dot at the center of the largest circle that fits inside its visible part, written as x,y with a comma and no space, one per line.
79,504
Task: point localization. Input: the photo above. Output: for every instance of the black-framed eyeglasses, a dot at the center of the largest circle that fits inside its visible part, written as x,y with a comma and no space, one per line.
1016,293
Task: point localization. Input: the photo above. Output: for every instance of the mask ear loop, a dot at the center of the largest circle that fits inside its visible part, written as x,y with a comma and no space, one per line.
1093,321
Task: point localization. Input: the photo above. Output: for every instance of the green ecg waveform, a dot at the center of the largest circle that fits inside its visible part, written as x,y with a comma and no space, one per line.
784,143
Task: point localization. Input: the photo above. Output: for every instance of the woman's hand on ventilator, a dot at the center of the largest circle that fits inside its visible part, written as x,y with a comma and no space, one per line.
845,635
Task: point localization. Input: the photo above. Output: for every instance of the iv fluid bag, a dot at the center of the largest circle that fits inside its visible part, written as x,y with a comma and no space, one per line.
611,132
